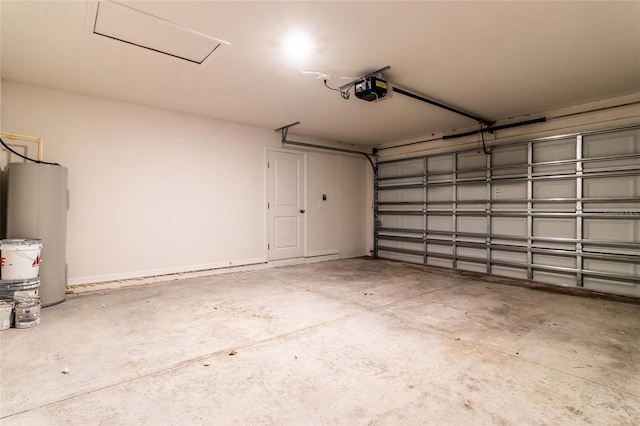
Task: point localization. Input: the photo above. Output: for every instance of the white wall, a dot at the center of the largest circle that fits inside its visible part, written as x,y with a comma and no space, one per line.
155,191
336,217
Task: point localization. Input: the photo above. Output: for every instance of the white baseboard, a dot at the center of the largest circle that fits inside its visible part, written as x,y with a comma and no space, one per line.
111,281
102,281
322,253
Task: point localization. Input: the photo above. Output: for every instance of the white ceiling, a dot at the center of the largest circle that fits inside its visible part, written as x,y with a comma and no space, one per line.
493,59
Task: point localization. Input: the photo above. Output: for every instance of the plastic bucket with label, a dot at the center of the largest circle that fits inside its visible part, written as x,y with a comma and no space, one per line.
19,259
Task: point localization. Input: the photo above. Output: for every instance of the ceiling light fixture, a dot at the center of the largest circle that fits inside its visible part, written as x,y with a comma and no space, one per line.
297,45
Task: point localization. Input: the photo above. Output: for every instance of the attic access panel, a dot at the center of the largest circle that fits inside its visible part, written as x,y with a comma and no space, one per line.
119,22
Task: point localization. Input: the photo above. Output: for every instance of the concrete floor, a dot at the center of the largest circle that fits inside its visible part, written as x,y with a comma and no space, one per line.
344,342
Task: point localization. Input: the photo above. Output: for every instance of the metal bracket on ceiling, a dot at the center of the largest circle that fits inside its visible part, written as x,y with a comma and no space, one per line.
285,130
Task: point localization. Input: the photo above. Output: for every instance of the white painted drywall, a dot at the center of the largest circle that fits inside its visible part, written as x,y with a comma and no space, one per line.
154,191
333,224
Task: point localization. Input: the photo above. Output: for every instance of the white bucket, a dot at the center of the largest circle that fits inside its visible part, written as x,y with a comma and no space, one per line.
19,259
6,308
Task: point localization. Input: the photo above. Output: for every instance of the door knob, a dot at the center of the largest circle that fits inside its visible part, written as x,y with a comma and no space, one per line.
302,211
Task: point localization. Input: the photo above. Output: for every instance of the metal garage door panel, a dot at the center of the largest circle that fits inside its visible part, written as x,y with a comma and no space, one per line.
614,267
612,187
561,149
509,272
549,170
569,246
509,256
554,278
472,160
476,253
478,209
608,144
565,188
478,265
439,193
440,168
550,260
554,227
480,174
403,245
615,287
515,171
404,168
472,224
611,144
515,226
412,222
591,247
598,166
623,230
402,257
401,195
611,207
440,163
554,207
470,239
442,263
440,248
472,192
440,223
475,162
441,207
515,207
513,257
402,222
509,155
509,191
471,266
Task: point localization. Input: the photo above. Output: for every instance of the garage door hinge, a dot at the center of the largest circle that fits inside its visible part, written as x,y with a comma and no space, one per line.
268,165
268,246
268,206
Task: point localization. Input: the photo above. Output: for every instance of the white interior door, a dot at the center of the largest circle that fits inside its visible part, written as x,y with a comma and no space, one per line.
285,205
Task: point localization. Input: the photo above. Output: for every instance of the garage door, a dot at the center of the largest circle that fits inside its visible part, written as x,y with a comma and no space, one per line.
563,210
